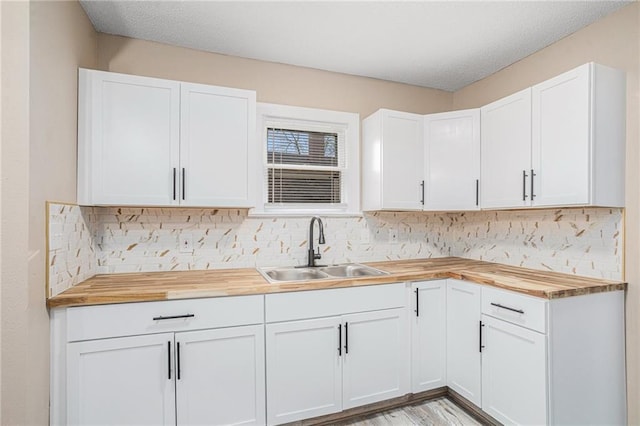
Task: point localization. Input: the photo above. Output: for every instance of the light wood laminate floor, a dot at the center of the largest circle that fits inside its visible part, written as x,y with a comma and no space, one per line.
438,412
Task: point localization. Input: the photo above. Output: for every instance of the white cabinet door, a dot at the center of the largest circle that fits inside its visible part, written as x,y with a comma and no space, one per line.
402,156
463,339
429,336
128,139
452,160
561,139
392,161
376,357
304,369
121,381
216,145
505,164
514,373
220,376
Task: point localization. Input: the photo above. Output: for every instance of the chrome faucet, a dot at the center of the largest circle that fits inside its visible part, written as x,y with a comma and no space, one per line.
312,255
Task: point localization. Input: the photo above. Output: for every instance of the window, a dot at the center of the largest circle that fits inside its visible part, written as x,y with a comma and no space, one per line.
310,161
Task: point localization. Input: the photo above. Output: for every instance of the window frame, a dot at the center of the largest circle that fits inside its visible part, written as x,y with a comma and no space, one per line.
347,123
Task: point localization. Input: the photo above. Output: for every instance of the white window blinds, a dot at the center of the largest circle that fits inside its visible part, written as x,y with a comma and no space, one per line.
304,166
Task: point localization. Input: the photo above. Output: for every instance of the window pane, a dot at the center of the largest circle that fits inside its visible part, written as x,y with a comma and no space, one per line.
303,186
302,147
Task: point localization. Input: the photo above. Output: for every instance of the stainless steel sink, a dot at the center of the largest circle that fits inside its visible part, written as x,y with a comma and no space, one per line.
293,274
290,274
351,270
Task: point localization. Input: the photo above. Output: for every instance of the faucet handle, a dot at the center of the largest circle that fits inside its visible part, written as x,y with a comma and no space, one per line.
317,255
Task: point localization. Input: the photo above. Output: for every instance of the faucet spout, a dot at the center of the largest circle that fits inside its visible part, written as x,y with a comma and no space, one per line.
312,255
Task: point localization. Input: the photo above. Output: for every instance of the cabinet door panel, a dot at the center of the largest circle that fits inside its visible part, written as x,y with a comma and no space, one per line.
561,139
506,151
463,339
134,139
376,362
402,156
216,150
304,369
514,373
429,337
452,160
121,381
221,376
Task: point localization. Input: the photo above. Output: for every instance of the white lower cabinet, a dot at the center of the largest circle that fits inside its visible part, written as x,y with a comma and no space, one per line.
324,365
514,373
182,375
121,381
375,357
428,335
220,376
521,359
463,339
304,369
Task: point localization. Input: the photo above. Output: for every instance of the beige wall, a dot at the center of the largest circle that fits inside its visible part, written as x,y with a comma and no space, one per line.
275,83
613,41
40,154
14,199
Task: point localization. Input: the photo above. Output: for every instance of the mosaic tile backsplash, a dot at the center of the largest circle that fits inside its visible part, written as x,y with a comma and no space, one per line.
72,257
579,241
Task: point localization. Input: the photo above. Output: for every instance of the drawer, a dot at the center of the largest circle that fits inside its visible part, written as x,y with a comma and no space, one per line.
128,319
338,301
516,308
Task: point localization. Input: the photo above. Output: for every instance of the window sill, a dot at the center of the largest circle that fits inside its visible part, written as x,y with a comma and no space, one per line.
293,213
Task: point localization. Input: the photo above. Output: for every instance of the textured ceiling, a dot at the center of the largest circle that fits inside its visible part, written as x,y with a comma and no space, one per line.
441,44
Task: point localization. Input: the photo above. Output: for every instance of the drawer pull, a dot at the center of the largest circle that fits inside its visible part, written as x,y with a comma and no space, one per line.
173,317
417,311
520,311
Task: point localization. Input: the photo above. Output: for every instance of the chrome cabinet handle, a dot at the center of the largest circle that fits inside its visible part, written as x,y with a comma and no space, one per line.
422,199
481,346
524,185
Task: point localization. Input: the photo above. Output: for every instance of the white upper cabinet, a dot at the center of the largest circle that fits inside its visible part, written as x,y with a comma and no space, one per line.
452,160
392,168
150,142
217,125
558,143
128,139
506,151
578,138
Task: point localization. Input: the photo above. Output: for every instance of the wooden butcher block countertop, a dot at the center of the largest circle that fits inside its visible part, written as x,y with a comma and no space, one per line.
154,286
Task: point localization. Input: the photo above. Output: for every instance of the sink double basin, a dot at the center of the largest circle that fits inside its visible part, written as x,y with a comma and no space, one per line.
349,270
